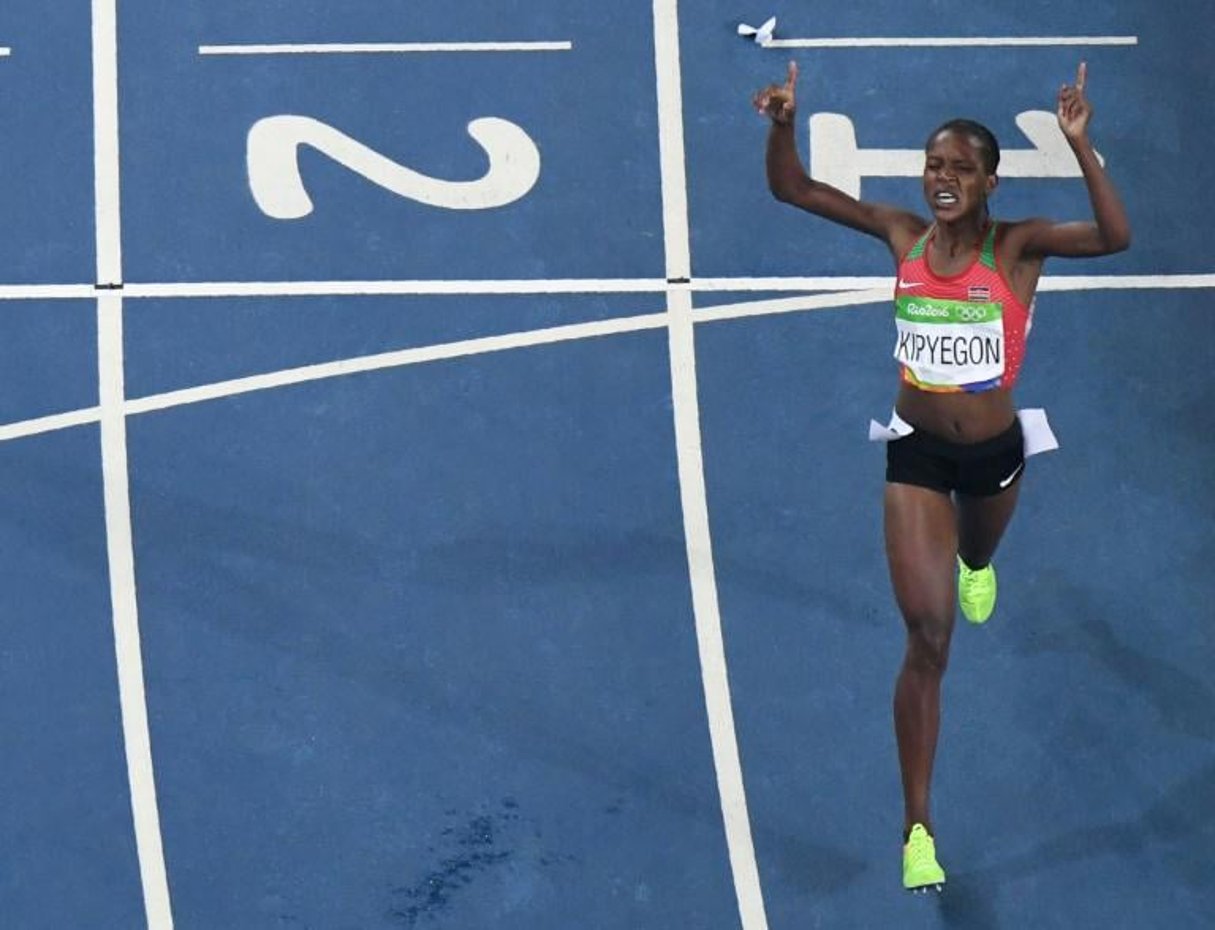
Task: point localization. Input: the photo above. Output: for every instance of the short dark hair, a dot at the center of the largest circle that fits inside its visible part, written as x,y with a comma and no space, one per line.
984,136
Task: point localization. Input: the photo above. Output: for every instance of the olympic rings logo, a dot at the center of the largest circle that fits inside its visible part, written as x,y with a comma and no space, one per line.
972,314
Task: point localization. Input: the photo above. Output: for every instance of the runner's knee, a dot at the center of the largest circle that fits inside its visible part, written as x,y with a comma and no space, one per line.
928,645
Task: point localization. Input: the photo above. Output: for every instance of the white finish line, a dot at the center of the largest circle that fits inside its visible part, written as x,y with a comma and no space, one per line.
467,288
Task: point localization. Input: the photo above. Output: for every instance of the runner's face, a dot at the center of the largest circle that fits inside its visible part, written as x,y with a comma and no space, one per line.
955,181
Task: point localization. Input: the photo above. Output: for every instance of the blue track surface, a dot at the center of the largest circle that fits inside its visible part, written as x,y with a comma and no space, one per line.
419,643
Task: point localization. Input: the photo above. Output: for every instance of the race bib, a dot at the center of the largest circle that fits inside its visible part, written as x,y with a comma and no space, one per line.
949,343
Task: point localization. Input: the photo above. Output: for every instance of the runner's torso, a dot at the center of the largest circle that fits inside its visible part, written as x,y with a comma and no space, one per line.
960,342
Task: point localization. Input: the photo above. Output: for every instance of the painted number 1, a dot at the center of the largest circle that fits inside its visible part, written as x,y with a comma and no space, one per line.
272,154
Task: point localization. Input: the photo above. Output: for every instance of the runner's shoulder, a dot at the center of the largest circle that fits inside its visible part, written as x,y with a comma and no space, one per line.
1012,236
904,229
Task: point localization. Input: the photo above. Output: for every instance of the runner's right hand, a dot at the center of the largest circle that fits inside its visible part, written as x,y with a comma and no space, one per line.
777,101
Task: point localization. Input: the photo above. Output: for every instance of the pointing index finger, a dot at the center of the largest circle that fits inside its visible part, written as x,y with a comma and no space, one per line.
1081,74
792,79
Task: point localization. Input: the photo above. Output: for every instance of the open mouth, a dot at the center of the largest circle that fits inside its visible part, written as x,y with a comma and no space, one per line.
945,199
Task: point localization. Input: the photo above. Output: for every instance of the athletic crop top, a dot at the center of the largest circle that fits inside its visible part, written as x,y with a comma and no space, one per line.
964,332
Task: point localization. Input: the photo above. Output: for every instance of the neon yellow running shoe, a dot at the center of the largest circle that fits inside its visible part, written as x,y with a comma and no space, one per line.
976,591
921,870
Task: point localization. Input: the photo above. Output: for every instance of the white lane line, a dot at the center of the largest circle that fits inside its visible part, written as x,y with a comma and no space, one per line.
381,48
723,738
395,359
115,477
106,170
125,609
671,150
5,51
49,424
419,355
125,612
791,305
238,289
954,42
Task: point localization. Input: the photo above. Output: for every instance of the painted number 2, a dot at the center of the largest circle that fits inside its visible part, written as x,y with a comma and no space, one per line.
272,155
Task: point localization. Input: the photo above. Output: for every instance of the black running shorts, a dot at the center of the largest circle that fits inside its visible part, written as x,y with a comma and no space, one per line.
981,469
